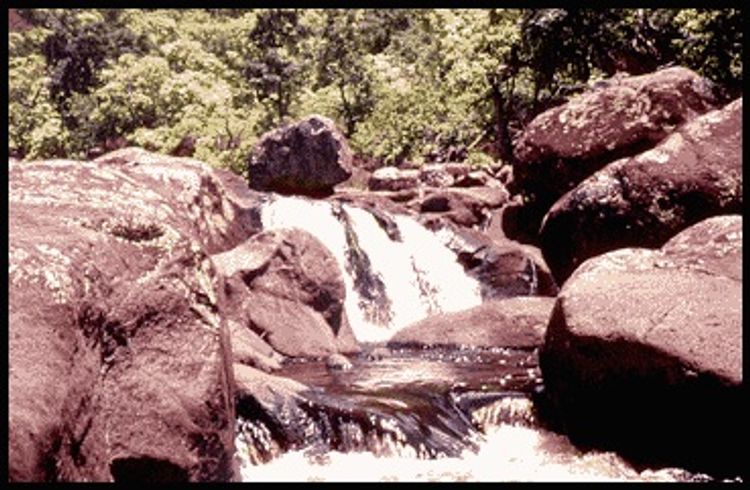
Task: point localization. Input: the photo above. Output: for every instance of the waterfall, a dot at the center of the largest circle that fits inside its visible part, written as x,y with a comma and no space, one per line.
395,271
408,413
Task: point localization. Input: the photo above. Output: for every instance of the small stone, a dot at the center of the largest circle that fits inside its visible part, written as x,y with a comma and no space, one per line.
338,362
378,353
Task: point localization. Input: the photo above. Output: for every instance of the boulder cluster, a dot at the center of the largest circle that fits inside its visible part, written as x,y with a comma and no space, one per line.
147,305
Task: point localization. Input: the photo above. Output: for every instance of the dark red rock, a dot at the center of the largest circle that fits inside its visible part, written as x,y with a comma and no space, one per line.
643,352
119,356
566,144
643,201
512,322
308,157
466,207
503,267
287,287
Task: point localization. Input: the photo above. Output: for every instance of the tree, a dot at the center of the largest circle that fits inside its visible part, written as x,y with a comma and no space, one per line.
711,43
79,45
277,69
35,128
342,61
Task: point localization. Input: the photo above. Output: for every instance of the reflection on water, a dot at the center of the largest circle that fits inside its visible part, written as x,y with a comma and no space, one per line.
446,415
432,369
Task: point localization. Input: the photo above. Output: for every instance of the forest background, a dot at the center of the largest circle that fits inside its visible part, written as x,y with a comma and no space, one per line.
416,86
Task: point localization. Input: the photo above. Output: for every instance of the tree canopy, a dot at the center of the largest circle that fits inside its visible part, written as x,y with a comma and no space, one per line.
404,85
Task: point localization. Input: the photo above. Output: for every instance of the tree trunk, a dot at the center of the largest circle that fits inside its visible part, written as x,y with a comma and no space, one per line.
348,116
502,141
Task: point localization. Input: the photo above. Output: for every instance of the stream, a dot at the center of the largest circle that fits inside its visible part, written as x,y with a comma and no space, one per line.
402,413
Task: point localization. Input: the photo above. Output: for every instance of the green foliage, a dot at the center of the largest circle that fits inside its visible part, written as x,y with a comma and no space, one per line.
342,64
479,159
35,128
414,85
712,44
78,46
277,67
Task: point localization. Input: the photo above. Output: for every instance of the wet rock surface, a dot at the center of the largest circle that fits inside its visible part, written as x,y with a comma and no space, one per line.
308,157
643,351
119,358
503,267
513,322
400,402
642,201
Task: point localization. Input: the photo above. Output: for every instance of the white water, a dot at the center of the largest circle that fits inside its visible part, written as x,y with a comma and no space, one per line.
420,274
508,453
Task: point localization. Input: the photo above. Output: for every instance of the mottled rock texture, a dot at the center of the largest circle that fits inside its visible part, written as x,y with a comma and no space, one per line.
119,357
566,144
641,201
308,157
643,351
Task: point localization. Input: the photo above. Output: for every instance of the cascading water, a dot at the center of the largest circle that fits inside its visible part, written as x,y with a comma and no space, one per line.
394,275
409,414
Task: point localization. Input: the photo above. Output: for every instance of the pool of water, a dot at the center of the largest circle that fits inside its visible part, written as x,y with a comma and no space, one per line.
447,415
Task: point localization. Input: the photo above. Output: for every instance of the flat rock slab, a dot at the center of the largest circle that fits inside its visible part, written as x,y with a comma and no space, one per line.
513,322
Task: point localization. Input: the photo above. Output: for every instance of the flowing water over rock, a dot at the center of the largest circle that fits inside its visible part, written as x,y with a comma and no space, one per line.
435,415
407,413
396,271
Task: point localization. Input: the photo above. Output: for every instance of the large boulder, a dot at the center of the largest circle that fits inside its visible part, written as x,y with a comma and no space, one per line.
118,352
308,157
286,287
624,117
513,322
642,201
643,351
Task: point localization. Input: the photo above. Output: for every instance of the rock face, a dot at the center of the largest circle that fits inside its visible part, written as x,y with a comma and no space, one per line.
504,268
286,287
566,144
466,207
643,352
642,201
119,357
513,322
308,157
